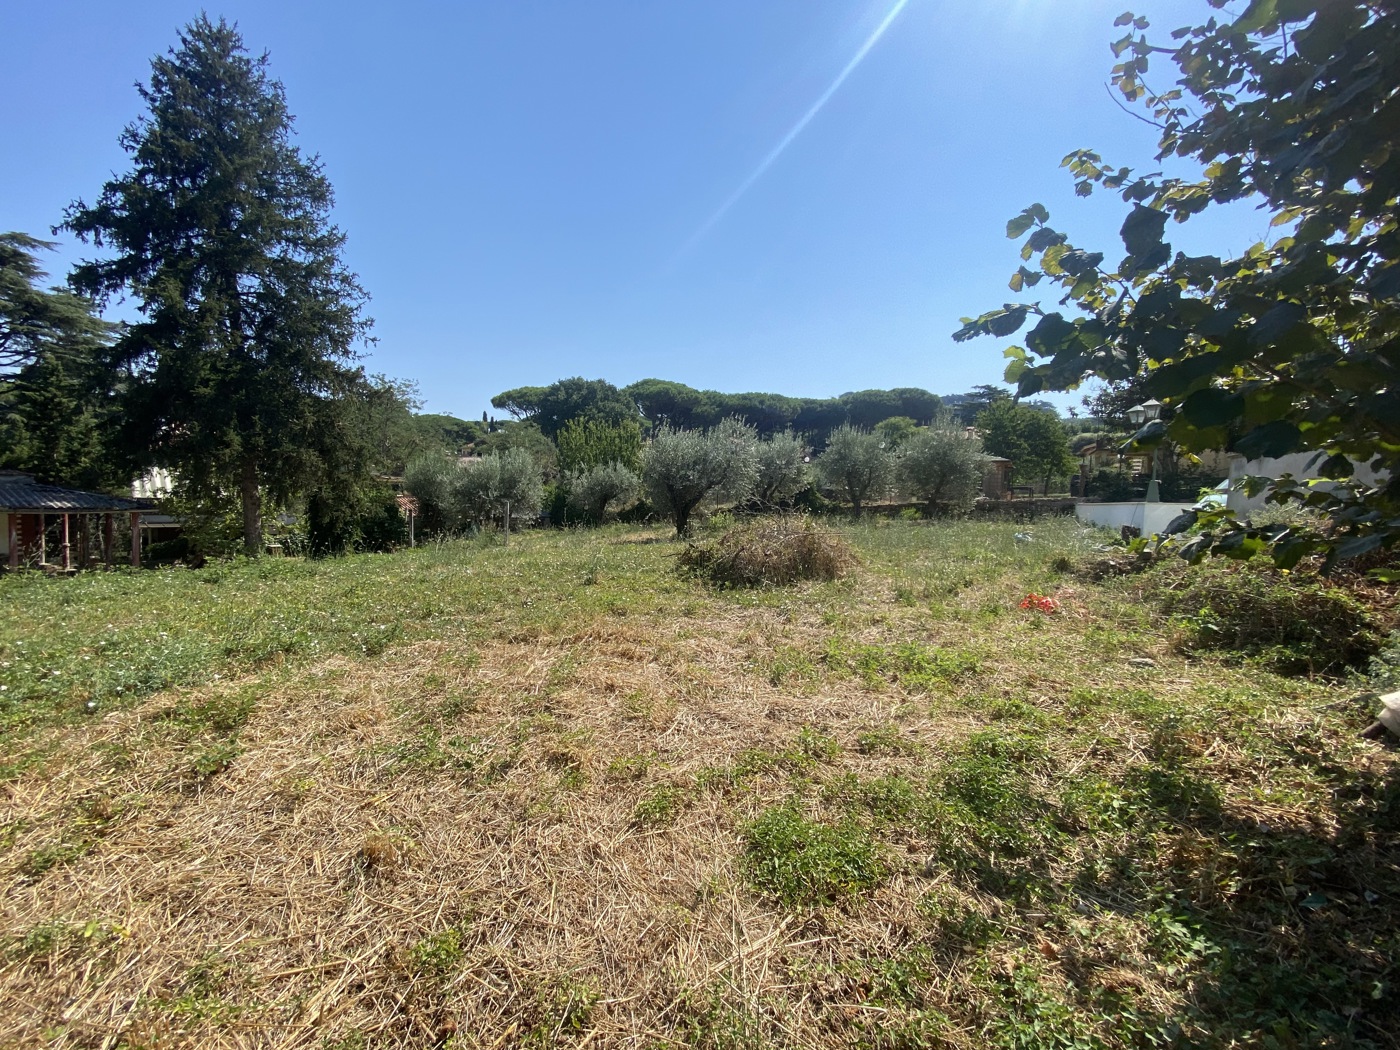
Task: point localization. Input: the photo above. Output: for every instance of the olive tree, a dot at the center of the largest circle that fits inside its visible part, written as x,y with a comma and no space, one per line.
942,467
503,479
857,465
431,479
782,469
602,487
683,468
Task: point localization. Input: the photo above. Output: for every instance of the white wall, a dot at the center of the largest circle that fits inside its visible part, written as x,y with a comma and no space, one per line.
1151,518
1300,464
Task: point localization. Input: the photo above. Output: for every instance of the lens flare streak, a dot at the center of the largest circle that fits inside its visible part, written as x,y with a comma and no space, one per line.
787,140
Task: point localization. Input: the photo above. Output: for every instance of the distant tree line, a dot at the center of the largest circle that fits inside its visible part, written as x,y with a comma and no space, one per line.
662,403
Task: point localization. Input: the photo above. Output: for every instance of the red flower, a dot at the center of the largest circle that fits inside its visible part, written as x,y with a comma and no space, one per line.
1040,603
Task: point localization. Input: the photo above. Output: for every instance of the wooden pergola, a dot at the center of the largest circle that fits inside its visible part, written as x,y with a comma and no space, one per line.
29,508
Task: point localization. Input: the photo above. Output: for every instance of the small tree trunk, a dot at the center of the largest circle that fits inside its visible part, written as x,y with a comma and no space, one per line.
682,516
251,497
855,508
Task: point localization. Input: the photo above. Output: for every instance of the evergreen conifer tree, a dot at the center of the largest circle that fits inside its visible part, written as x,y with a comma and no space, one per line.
238,372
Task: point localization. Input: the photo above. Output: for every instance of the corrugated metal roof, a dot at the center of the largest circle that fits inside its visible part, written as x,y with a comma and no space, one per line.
24,495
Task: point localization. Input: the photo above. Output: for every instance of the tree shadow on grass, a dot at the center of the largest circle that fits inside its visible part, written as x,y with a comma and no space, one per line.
1285,933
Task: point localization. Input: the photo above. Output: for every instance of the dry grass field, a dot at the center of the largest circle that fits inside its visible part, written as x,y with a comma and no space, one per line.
562,793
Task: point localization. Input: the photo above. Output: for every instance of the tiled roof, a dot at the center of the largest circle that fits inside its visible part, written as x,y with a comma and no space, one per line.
23,494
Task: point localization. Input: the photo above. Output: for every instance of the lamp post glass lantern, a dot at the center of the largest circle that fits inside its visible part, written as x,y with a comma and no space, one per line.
1148,412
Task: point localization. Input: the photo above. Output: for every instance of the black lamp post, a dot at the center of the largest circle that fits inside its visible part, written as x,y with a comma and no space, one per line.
1148,412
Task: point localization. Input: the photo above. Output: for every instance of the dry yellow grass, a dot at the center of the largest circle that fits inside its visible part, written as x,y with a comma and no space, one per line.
258,876
442,844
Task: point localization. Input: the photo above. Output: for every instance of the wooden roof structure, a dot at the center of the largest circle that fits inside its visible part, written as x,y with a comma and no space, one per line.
27,507
21,494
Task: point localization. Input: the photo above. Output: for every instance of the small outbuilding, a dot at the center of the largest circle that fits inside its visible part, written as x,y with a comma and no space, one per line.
83,523
996,477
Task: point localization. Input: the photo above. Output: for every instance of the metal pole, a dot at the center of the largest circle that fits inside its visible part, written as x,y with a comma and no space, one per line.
1152,496
507,523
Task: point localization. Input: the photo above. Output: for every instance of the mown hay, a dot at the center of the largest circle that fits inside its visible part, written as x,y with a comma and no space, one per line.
1292,625
770,552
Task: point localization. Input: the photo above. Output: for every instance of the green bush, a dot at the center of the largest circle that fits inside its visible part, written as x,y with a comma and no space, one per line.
782,469
856,466
337,526
686,469
1290,624
603,487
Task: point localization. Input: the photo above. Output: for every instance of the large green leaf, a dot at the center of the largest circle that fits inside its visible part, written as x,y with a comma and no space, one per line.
1019,225
1256,16
1277,322
1142,230
1006,322
1271,440
1051,334
1212,407
1358,545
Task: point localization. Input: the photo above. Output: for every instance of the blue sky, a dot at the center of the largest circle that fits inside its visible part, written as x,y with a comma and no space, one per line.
530,188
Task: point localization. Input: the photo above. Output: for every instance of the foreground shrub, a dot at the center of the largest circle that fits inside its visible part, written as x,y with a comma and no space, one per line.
684,468
1291,625
599,489
770,551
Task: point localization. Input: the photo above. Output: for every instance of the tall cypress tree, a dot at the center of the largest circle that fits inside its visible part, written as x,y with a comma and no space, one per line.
236,375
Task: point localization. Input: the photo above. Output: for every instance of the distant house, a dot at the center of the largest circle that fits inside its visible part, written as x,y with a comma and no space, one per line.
1106,455
996,481
72,525
996,478
408,507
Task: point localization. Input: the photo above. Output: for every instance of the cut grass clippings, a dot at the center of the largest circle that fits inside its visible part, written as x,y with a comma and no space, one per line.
570,797
770,551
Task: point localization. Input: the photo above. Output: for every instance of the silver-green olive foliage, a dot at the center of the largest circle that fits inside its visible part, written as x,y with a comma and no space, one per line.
782,469
484,488
683,468
857,465
430,478
1290,346
604,487
943,467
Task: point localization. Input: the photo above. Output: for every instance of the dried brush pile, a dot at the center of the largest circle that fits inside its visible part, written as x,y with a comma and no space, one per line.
770,552
1292,624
